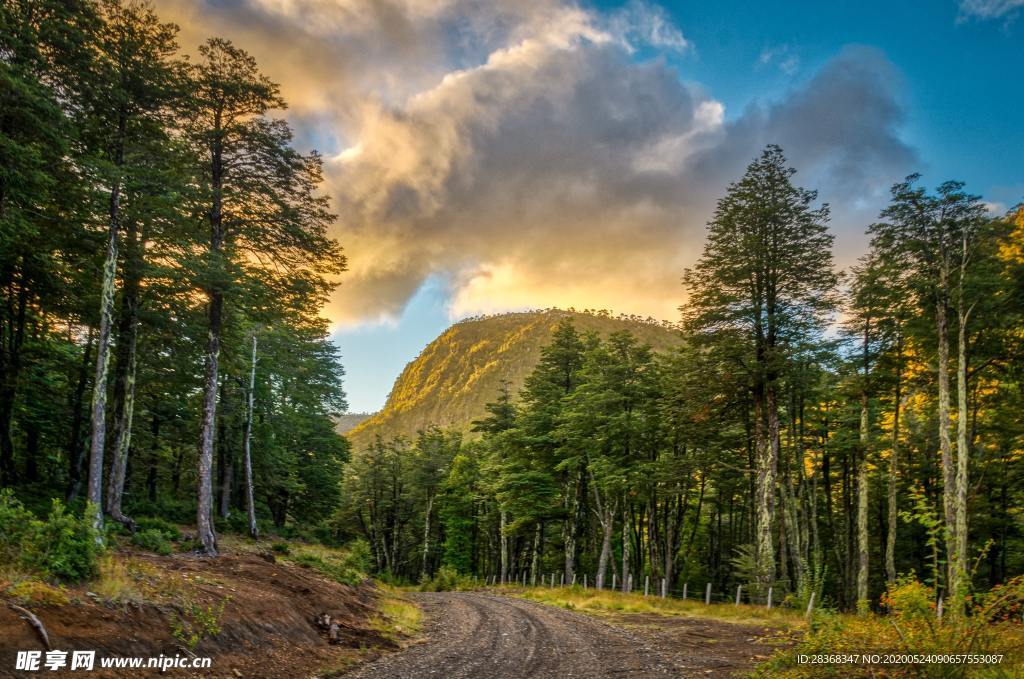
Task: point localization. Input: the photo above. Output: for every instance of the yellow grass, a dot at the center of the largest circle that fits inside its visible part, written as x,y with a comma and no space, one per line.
398,618
605,602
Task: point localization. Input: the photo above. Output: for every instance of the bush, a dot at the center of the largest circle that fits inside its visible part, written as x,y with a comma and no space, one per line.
15,522
63,547
446,579
335,569
169,530
281,548
152,539
989,625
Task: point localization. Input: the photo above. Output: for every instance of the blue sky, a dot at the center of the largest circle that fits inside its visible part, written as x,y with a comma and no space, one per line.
952,75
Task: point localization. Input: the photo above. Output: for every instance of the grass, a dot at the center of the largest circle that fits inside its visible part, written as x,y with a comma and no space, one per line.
398,619
606,602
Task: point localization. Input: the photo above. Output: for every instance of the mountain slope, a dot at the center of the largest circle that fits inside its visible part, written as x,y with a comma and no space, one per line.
452,379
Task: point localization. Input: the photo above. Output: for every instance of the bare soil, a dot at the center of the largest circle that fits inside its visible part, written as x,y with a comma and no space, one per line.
486,636
268,627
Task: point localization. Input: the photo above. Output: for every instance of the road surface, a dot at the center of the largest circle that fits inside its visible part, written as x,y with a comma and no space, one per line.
473,635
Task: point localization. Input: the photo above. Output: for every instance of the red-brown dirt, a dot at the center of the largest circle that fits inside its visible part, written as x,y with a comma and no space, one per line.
268,624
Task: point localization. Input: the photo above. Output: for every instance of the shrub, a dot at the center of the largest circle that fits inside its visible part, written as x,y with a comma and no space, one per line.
15,522
446,579
152,539
35,591
335,569
281,548
63,547
989,625
169,530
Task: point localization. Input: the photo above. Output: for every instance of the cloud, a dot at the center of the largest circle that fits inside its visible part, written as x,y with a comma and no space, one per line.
526,153
990,9
782,56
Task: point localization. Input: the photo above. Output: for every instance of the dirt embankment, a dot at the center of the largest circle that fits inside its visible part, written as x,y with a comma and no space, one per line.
255,617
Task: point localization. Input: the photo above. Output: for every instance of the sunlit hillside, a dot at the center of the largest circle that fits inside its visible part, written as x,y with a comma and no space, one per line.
460,371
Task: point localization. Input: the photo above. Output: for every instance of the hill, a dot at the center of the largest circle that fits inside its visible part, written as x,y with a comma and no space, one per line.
452,379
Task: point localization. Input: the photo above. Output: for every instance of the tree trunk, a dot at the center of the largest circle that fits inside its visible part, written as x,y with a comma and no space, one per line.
250,503
538,543
890,538
959,562
945,444
606,547
94,494
625,547
503,519
124,382
76,456
426,537
863,603
767,444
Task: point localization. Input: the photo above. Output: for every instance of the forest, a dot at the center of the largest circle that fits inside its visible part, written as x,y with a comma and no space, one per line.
165,261
819,434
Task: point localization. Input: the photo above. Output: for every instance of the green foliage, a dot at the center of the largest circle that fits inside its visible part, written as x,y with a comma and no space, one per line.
342,569
15,524
196,622
63,547
989,625
166,528
445,580
281,548
153,540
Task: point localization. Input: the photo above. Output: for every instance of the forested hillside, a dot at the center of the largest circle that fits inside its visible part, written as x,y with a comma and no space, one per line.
454,377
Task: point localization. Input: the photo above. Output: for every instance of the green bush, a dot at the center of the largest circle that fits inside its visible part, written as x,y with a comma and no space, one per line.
63,547
15,522
153,540
169,530
334,569
280,548
446,579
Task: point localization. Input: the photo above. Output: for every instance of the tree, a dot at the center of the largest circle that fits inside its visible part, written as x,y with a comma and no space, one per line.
262,213
936,234
764,281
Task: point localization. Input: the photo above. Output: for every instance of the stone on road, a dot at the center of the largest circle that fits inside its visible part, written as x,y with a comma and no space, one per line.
472,635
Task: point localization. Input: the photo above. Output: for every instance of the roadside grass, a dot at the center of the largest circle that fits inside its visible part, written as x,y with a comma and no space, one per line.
607,602
398,619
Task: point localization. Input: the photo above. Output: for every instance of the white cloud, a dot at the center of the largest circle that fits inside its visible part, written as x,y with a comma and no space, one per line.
990,9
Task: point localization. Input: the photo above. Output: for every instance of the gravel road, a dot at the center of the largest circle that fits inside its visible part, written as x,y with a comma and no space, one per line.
470,635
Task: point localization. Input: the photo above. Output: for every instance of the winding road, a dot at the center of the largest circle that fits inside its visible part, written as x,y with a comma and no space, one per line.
471,635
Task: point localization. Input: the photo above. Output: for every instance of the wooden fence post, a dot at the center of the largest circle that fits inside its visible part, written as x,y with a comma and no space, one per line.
810,606
647,584
739,588
686,585
769,597
707,595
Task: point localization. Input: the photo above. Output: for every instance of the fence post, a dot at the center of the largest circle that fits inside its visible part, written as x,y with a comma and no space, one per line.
614,576
739,588
810,606
573,579
584,581
561,578
707,595
938,610
664,587
686,585
629,585
769,597
647,584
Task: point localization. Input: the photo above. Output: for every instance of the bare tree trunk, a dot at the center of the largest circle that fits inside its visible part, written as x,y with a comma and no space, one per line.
250,503
76,456
94,494
124,387
606,547
570,528
863,604
959,563
890,540
538,541
426,536
945,444
767,443
625,547
503,519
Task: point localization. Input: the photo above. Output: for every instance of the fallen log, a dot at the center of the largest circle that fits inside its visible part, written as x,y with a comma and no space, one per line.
36,623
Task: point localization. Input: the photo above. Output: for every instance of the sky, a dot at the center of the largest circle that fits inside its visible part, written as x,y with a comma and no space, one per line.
493,156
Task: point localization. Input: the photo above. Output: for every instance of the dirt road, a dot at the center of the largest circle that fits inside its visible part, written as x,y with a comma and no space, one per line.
471,635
